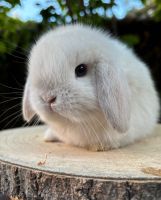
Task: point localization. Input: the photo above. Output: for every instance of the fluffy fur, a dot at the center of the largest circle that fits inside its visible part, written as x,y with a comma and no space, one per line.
113,105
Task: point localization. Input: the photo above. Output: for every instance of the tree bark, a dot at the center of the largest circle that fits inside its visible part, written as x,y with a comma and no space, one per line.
25,176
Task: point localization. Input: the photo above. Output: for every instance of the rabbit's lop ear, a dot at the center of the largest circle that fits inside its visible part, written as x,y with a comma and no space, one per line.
113,95
28,112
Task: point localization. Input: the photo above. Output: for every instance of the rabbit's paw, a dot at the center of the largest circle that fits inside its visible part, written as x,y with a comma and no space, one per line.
50,136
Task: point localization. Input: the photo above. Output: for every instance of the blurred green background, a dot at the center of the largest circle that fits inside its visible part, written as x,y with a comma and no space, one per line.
137,23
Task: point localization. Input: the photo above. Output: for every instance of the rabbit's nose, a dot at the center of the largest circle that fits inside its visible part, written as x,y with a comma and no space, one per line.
51,100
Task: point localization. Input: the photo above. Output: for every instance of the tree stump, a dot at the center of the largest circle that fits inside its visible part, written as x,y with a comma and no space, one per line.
33,169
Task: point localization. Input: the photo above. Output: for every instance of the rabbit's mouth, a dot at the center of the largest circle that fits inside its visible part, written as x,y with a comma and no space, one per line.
52,114
76,116
76,112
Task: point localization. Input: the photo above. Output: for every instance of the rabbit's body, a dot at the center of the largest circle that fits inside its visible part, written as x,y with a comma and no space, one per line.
112,105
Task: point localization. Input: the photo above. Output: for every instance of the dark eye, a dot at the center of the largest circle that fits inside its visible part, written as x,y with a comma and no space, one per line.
81,70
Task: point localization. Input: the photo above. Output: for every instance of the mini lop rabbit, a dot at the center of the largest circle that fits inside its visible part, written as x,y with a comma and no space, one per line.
90,89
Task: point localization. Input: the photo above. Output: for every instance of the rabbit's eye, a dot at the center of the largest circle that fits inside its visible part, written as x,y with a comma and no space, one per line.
81,70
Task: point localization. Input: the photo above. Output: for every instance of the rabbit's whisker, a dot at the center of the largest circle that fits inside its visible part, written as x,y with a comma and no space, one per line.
11,87
9,100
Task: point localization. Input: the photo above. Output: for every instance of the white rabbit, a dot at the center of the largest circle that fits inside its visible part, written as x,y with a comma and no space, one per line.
90,89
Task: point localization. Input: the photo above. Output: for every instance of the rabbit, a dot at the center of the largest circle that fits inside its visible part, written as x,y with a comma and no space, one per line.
90,89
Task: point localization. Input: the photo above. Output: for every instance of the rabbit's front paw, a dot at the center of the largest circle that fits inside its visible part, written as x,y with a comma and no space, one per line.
50,136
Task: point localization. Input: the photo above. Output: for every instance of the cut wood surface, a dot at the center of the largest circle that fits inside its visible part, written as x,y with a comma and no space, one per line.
33,169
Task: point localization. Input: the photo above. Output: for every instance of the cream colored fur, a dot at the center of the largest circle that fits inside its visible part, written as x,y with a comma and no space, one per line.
114,105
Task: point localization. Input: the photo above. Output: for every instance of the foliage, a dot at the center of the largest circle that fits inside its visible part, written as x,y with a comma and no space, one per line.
17,36
72,11
15,40
157,13
130,39
67,11
9,32
153,6
14,33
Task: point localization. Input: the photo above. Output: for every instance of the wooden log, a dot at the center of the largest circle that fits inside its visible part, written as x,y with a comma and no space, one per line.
33,169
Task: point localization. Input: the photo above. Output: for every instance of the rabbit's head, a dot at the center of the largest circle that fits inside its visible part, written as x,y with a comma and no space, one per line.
73,74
